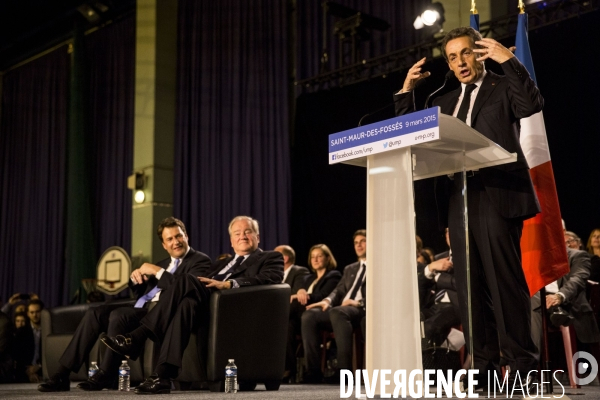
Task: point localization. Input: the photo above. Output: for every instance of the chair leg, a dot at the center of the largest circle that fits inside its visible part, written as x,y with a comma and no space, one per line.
570,349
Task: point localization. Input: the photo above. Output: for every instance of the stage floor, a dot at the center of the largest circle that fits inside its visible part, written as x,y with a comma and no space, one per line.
312,392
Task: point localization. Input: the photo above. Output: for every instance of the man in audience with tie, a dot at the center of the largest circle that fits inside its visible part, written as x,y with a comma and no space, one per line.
343,311
438,318
499,198
147,282
185,305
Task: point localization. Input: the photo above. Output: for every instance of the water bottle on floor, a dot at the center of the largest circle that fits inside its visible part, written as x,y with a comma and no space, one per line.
231,377
124,376
93,369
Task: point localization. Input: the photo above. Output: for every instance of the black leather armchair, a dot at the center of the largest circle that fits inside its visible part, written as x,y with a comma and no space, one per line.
58,326
248,324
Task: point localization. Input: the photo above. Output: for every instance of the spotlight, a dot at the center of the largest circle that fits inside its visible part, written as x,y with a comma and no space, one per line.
432,17
429,17
137,182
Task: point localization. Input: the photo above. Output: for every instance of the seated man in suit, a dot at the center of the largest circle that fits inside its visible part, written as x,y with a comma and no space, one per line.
147,282
185,305
442,312
568,293
293,274
342,310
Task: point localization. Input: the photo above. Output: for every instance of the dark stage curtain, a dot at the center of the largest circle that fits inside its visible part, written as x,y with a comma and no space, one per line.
33,134
33,176
231,151
111,52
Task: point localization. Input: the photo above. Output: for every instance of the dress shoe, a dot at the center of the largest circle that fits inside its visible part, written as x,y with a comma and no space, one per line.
98,381
123,345
57,383
560,317
154,385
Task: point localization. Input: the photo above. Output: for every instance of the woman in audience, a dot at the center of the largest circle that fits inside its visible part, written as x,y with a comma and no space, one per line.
593,247
316,287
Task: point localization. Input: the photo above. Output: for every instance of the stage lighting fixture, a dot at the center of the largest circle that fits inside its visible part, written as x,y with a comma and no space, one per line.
432,17
89,13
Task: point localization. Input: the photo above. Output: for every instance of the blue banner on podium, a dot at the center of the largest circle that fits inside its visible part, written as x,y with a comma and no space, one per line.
391,134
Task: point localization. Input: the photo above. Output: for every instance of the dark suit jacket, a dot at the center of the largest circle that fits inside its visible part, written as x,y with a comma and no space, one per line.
323,287
296,277
195,263
345,284
573,286
500,103
261,268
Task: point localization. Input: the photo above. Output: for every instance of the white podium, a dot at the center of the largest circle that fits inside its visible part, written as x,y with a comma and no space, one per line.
445,146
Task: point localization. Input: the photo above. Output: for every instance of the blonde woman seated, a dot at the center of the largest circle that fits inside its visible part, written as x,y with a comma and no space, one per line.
315,288
593,247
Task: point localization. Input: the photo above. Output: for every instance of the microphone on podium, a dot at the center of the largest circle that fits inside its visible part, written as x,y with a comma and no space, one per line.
449,75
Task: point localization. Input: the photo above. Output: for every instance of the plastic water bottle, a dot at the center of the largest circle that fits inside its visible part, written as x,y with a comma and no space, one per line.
124,376
231,377
93,369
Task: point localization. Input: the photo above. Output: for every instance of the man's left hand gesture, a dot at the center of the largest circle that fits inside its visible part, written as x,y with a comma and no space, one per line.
492,49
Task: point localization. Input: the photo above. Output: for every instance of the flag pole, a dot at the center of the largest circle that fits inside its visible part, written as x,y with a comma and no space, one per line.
521,7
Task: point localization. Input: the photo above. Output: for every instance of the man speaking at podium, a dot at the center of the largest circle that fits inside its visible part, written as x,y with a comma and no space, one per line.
499,198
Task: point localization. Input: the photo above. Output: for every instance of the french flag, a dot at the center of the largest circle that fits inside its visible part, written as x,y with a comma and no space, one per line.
542,243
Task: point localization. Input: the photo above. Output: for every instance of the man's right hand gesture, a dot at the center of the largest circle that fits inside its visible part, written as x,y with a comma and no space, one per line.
414,75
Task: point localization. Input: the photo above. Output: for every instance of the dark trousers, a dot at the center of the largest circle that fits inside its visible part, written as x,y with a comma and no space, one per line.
343,321
500,296
439,320
182,307
296,311
112,319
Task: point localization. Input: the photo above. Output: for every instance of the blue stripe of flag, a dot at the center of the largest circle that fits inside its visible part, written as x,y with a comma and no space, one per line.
475,21
523,52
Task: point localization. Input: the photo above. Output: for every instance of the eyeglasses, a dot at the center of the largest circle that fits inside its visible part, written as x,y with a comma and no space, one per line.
569,241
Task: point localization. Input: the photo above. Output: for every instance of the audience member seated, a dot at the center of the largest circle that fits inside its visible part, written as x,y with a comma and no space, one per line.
293,274
148,283
342,310
313,289
18,303
572,240
20,320
441,314
423,257
6,339
27,344
430,252
593,247
566,303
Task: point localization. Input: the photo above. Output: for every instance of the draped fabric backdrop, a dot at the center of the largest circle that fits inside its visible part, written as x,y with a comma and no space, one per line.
231,150
33,133
33,148
111,51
